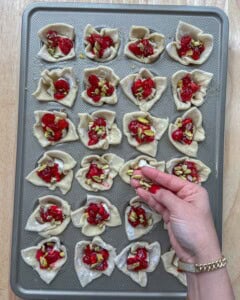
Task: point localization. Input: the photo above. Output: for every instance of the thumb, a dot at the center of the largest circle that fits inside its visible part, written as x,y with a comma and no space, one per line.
168,200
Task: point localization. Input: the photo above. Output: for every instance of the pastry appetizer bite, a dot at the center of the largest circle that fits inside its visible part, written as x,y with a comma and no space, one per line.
144,89
58,85
187,131
51,216
53,127
101,45
170,263
127,170
98,130
97,172
100,86
93,259
144,46
96,215
138,259
46,258
192,45
54,170
189,169
190,88
139,218
143,131
58,42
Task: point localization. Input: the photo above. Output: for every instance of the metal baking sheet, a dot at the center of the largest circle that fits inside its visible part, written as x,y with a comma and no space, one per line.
24,281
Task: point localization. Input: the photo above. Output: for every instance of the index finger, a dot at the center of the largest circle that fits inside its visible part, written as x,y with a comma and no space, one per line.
168,181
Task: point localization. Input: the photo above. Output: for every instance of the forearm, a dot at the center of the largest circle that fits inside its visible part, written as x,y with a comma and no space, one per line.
210,286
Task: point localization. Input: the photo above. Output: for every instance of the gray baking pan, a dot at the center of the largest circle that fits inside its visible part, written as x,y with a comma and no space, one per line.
24,281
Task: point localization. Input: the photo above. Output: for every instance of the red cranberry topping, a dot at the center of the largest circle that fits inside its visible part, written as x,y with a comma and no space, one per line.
65,45
54,127
187,88
137,216
95,173
54,41
99,44
186,170
141,130
62,88
184,133
190,47
154,188
48,255
96,213
51,213
142,89
142,48
50,173
138,261
95,257
99,88
97,131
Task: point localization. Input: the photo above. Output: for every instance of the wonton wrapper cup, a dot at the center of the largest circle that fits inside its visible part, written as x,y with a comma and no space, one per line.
114,134
45,89
139,277
112,160
160,126
62,29
111,52
49,229
104,73
201,78
198,133
203,170
134,233
28,255
197,34
145,104
79,217
67,164
38,132
140,32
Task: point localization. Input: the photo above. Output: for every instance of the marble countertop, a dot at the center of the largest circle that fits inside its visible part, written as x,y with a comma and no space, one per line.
10,31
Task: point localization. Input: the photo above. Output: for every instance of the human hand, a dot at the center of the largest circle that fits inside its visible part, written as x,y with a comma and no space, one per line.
186,211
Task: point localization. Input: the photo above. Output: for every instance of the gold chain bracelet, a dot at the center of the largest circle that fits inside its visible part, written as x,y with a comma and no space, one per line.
200,268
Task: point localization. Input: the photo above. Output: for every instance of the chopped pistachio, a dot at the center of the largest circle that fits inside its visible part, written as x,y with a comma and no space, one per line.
43,261
62,254
130,172
137,176
97,179
104,167
143,120
82,56
42,167
188,171
179,172
149,132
